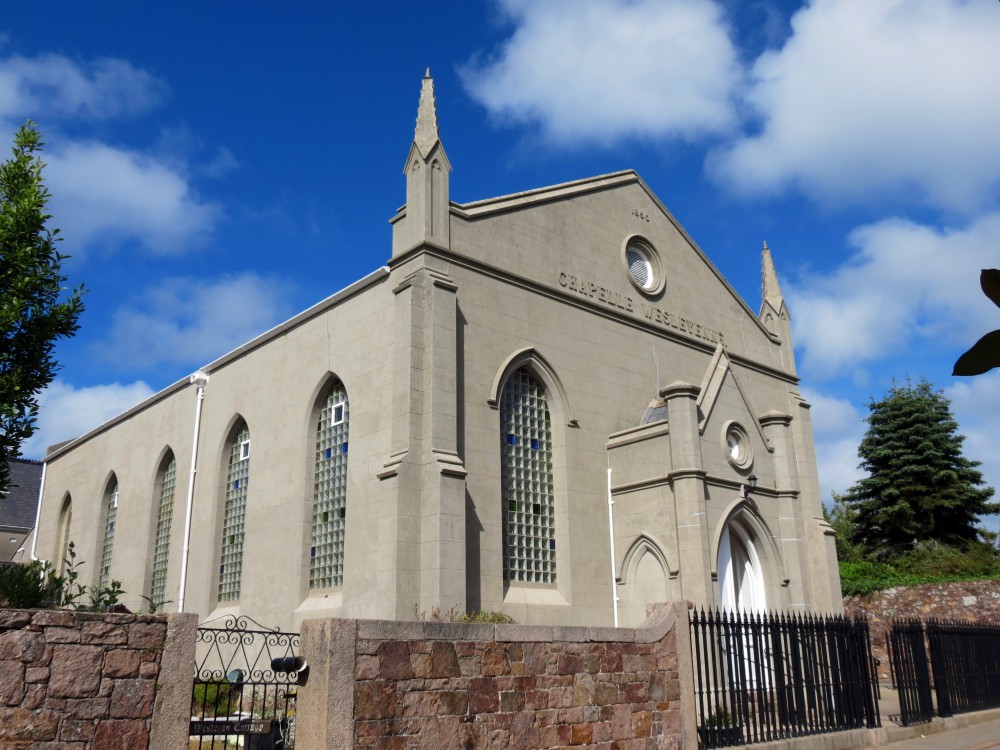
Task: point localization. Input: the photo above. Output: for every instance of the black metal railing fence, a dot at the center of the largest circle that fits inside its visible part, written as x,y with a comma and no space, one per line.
765,677
966,661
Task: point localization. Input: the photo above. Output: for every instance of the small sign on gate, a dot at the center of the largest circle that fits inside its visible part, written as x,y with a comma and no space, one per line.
201,727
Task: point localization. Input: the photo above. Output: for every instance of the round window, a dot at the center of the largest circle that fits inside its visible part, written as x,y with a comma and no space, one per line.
736,445
643,265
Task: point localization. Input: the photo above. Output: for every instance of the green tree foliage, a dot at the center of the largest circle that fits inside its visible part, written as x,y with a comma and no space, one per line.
919,486
985,353
842,519
35,310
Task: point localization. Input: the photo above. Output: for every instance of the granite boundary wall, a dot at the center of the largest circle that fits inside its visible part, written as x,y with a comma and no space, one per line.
82,680
422,686
964,601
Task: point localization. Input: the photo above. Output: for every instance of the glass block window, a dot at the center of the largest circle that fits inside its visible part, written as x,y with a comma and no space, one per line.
529,526
326,555
111,516
233,524
161,544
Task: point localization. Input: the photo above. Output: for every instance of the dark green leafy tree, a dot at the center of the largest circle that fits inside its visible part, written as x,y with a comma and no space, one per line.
36,309
985,353
919,485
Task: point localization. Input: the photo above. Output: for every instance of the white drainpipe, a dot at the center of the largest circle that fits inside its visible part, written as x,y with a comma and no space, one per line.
611,530
199,379
38,512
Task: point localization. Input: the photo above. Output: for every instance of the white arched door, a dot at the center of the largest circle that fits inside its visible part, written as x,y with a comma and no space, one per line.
741,578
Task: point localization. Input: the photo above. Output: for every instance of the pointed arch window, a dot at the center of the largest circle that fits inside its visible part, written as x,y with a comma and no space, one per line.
234,520
110,519
62,539
529,541
326,563
164,519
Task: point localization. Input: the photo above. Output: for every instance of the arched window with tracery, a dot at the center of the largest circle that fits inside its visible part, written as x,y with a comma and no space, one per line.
234,518
326,554
167,483
529,528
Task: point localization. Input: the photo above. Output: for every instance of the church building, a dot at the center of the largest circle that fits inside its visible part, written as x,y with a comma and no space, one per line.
548,404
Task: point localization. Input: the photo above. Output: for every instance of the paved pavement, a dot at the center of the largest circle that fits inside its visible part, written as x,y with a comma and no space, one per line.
966,732
975,737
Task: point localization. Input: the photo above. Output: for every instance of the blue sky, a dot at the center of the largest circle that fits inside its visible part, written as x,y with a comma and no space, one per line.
217,167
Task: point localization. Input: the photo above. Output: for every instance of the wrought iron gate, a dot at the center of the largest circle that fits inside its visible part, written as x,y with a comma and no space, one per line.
910,671
244,687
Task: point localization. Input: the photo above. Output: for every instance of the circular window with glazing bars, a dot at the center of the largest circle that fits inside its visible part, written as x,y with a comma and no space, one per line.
736,446
642,262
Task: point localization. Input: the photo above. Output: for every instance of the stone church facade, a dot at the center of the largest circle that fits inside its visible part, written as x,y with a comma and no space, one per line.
549,404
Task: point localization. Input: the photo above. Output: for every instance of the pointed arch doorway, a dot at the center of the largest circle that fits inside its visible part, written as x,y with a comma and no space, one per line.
741,576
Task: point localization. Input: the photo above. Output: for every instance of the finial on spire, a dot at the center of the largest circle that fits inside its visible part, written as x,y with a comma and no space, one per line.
427,130
771,290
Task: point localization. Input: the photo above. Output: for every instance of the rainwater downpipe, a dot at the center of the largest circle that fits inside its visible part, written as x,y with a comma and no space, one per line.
38,512
611,531
199,379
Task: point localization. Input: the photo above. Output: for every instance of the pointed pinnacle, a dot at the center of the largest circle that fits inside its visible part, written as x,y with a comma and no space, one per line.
427,131
771,290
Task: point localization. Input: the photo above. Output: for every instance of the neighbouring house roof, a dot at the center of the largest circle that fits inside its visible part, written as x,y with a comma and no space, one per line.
18,505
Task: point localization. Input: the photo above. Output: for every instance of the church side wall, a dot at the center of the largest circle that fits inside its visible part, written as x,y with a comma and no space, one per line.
273,389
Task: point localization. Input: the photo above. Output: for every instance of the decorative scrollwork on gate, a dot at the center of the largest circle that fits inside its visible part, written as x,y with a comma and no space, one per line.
245,684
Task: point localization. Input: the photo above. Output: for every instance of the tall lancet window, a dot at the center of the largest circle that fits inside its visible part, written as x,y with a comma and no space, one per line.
110,518
234,521
164,518
326,564
529,528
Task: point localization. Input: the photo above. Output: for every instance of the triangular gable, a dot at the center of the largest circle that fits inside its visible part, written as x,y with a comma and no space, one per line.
711,386
627,210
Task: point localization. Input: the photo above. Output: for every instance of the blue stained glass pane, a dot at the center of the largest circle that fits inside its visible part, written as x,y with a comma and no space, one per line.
236,484
534,444
221,569
552,543
343,448
312,552
511,439
329,452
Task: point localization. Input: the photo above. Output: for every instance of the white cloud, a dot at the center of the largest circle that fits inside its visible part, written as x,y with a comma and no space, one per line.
868,97
66,412
906,284
975,403
103,194
598,70
190,322
838,427
53,86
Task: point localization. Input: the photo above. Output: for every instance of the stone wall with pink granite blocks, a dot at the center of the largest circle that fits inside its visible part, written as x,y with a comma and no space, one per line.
964,601
78,679
423,686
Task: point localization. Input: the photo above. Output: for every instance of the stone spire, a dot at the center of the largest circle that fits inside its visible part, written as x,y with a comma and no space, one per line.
426,218
771,290
426,136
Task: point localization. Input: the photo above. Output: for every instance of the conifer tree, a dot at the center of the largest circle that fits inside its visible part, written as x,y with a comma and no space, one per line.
35,310
919,485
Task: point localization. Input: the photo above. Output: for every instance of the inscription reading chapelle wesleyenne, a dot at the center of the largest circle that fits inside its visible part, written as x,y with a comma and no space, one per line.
653,314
